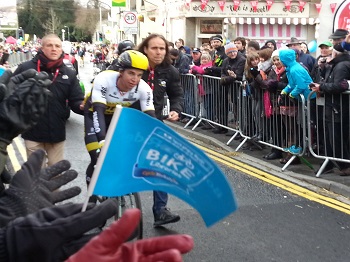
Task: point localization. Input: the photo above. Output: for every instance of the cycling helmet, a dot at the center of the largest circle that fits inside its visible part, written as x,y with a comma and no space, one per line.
125,45
132,59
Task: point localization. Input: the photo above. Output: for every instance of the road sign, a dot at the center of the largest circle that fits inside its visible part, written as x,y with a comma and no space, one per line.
130,19
130,26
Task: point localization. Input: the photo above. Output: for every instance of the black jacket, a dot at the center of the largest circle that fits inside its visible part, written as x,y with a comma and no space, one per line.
336,73
166,81
52,126
218,59
236,65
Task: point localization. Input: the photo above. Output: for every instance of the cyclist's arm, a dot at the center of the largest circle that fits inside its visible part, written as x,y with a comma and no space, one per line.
99,121
99,105
146,99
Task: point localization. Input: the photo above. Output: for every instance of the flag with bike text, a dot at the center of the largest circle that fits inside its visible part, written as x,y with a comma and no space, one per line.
142,153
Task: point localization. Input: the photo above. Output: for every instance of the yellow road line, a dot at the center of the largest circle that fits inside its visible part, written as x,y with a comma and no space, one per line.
279,182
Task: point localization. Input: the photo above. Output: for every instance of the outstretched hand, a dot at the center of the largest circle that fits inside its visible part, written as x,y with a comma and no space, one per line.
110,244
33,188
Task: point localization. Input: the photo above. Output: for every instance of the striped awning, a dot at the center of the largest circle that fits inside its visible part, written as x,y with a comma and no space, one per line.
272,20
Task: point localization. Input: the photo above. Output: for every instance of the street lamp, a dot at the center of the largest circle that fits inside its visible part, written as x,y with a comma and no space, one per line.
68,35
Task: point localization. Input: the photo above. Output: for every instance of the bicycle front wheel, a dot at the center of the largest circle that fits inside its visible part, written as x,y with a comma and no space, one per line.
131,200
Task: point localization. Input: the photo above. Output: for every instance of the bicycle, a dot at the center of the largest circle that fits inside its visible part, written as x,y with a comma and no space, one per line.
131,200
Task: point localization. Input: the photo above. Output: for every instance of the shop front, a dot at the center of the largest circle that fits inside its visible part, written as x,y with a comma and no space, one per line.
255,20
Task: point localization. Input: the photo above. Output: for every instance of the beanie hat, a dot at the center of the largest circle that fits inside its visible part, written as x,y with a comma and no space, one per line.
230,47
217,37
338,48
275,53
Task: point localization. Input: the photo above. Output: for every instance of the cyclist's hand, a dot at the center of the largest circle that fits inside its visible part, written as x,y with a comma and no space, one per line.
109,245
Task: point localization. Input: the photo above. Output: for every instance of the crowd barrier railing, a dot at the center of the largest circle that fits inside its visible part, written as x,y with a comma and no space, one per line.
237,108
19,57
191,97
329,130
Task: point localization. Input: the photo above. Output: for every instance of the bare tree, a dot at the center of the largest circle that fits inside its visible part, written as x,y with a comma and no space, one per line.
53,24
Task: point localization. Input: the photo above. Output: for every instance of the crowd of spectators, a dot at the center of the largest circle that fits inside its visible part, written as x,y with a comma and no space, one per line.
275,78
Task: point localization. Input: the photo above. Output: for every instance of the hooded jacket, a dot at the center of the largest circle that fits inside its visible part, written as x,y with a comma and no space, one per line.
298,77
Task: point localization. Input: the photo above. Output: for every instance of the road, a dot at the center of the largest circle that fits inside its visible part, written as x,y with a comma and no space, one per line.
272,223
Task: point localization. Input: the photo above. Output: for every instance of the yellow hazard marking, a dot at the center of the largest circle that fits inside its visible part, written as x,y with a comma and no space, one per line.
276,181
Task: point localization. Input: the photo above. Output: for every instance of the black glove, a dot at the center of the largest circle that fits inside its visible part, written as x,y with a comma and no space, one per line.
292,101
254,72
50,234
208,71
282,100
24,102
33,188
272,85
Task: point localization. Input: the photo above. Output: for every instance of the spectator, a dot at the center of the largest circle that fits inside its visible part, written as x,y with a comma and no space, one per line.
276,81
240,43
179,42
219,56
271,44
50,132
196,56
338,36
304,48
336,109
231,71
259,74
298,83
180,61
252,46
305,59
317,73
186,51
163,78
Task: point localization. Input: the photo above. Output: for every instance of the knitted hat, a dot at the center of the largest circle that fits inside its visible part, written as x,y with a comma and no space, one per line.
217,37
275,53
230,47
339,48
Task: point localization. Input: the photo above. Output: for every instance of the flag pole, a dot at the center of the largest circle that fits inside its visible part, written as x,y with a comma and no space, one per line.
102,155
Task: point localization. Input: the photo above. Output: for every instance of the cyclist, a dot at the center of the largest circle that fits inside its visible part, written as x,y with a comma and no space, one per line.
110,89
122,47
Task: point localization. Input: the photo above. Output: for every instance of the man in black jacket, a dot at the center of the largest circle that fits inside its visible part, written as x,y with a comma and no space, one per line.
50,132
219,56
164,79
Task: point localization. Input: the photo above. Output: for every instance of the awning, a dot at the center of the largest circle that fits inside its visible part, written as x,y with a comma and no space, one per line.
272,20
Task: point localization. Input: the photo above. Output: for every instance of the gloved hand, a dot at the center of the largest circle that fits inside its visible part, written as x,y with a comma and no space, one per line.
344,85
272,85
208,70
254,72
292,101
109,245
33,188
24,98
52,234
282,99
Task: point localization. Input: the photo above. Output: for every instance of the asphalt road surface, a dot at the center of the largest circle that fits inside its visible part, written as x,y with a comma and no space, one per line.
271,224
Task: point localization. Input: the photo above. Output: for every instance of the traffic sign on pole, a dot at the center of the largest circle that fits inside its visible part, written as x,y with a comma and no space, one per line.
130,22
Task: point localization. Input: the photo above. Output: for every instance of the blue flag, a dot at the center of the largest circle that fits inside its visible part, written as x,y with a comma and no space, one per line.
142,153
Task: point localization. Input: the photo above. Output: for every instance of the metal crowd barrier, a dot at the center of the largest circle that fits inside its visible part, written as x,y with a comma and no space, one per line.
329,131
298,127
17,58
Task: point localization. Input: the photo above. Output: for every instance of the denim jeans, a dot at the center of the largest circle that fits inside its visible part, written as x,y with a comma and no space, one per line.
160,199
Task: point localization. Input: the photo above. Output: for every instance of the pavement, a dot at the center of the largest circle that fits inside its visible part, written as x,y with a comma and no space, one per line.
331,184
